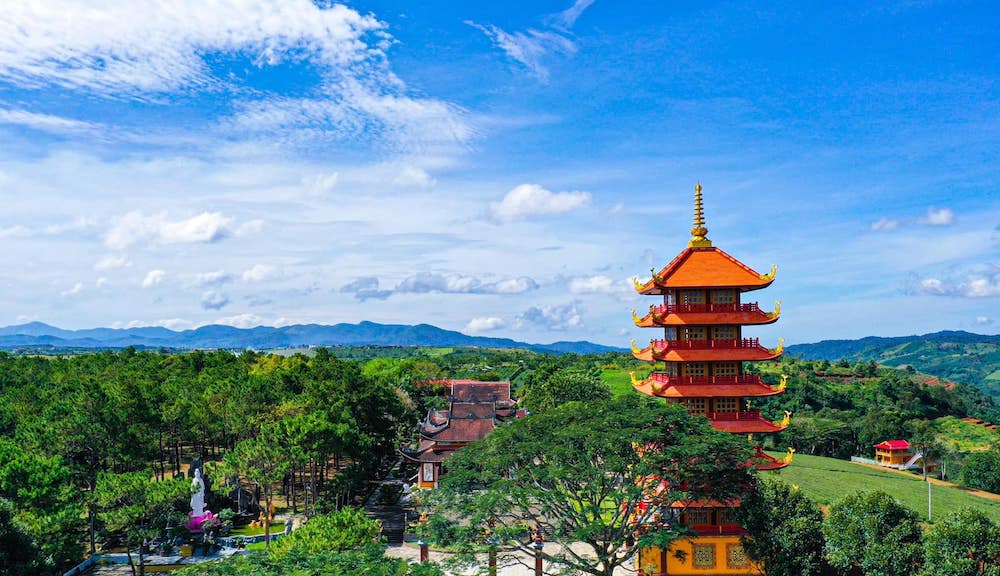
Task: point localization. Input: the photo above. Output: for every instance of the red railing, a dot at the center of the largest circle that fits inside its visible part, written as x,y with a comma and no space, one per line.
742,415
662,309
718,530
708,344
666,379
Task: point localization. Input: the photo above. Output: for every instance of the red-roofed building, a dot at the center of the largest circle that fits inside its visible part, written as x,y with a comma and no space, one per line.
893,453
703,351
474,410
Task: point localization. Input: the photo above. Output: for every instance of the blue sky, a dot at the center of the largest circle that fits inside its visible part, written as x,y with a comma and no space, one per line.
498,168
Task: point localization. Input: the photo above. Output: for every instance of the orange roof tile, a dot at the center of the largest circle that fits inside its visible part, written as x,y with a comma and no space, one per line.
705,268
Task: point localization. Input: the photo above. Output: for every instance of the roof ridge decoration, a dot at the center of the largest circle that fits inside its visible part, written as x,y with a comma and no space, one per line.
699,232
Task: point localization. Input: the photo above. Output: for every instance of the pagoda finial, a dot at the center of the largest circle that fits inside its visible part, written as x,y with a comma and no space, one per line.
698,233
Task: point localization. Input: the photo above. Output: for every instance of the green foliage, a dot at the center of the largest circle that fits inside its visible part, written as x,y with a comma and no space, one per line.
346,529
873,533
785,529
19,553
965,543
342,544
575,472
562,386
133,505
982,471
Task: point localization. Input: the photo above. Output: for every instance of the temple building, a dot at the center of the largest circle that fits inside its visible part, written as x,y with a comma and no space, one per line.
699,363
474,409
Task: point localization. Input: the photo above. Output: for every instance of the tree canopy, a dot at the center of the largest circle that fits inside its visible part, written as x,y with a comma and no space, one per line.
593,473
873,533
784,529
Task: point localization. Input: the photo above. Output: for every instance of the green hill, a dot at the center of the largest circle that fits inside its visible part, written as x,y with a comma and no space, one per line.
953,355
827,480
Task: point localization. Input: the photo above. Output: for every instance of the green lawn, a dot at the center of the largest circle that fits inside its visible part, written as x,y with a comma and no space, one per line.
827,480
619,381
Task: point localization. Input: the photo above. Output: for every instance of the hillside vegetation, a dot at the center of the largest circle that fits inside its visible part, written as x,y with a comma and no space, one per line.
956,356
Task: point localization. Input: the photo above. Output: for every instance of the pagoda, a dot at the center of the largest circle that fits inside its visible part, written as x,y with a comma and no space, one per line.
699,363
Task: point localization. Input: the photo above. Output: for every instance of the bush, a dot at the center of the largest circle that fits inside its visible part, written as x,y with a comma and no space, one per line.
982,471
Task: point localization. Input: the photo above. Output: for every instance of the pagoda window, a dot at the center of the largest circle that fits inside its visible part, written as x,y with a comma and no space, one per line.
694,333
724,333
726,516
723,296
727,404
695,369
670,368
670,332
699,516
725,369
692,297
670,297
696,405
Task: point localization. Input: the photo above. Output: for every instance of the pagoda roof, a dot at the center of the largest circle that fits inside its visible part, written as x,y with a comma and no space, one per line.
705,314
650,387
758,425
707,267
746,349
893,445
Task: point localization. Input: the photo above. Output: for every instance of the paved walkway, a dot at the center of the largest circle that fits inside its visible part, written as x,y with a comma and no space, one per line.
508,564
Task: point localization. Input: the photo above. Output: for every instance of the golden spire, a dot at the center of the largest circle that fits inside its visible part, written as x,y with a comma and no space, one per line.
699,231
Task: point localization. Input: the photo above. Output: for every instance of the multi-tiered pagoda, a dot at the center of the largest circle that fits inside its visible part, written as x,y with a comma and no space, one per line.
699,363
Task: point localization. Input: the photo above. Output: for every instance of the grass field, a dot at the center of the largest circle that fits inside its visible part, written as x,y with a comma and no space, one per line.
827,480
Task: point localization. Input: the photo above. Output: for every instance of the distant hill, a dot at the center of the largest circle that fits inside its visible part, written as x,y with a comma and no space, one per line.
37,335
954,355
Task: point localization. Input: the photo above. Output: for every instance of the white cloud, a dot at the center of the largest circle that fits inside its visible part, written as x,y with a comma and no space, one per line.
153,277
249,227
241,321
175,323
973,285
413,177
529,200
568,17
368,287
76,289
134,227
111,262
884,225
938,217
983,320
529,47
213,300
216,278
258,273
320,184
594,285
101,282
44,122
484,324
133,48
15,231
552,317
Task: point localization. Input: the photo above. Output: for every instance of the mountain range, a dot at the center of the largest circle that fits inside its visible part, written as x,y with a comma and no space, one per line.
40,335
953,355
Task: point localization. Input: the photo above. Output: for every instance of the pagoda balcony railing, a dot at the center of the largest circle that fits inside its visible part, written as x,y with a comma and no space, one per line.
718,529
717,344
666,379
733,416
664,309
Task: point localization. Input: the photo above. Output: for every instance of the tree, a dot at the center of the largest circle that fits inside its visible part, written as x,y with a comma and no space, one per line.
982,471
134,507
591,473
965,543
784,529
565,385
344,543
925,442
19,553
873,533
263,462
